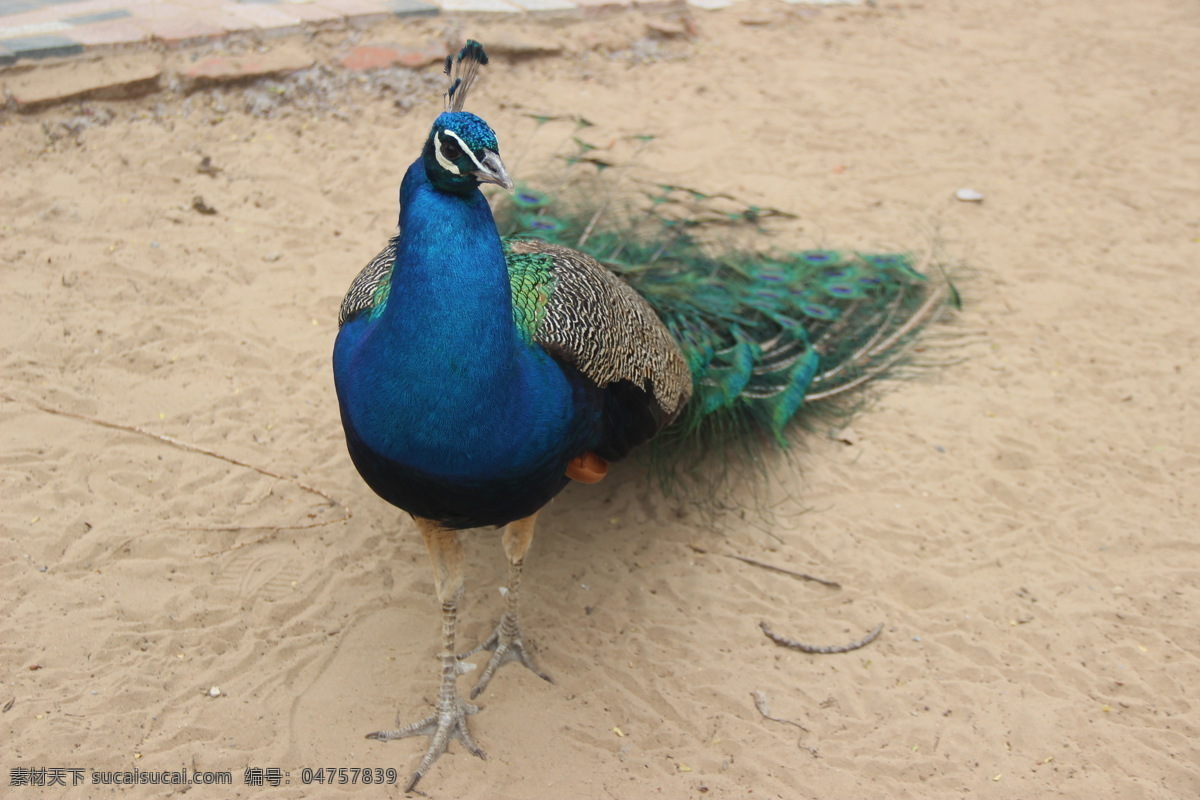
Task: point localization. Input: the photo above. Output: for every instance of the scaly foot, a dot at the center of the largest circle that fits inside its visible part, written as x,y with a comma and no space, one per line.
448,722
506,645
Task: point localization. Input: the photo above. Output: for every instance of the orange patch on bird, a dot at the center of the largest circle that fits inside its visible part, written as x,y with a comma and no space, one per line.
587,468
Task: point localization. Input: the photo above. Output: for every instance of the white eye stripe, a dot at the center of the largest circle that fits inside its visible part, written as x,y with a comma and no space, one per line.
446,163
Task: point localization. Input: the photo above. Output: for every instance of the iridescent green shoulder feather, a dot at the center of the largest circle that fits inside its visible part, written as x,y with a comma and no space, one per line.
531,275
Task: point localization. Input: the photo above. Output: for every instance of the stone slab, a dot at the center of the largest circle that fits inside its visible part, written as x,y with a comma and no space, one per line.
42,46
100,16
478,6
184,29
33,28
229,69
110,34
410,8
108,78
378,56
8,7
545,5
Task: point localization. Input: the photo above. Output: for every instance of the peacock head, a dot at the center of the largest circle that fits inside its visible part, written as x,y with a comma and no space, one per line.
462,153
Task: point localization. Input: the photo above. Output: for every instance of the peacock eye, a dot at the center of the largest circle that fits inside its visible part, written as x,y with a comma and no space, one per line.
450,148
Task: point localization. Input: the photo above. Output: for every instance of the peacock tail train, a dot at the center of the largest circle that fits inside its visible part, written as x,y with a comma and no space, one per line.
767,335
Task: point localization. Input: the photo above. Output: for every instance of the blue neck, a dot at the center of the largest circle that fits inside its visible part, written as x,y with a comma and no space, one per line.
450,299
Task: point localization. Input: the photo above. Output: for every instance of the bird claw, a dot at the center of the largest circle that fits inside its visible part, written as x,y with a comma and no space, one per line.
505,648
442,726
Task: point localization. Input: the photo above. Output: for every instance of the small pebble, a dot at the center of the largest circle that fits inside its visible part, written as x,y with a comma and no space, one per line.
969,196
198,204
274,255
666,30
214,692
207,167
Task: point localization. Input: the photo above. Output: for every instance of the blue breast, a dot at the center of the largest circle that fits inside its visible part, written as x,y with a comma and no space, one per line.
449,414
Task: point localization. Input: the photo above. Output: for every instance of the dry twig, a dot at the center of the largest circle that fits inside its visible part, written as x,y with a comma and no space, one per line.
804,576
816,649
764,708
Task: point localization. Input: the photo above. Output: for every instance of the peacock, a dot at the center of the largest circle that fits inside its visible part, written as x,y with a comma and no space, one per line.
478,374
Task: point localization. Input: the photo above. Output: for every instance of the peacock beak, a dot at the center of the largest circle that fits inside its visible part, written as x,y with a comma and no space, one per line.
493,171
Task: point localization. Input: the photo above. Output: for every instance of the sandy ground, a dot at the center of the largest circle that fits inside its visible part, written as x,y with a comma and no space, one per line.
1024,521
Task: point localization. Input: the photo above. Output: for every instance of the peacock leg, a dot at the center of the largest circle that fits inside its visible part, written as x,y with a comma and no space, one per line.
449,721
506,642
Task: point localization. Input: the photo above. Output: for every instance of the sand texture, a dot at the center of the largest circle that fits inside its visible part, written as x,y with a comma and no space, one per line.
1023,519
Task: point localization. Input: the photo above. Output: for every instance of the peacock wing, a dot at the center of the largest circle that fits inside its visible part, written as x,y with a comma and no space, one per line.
369,289
587,317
